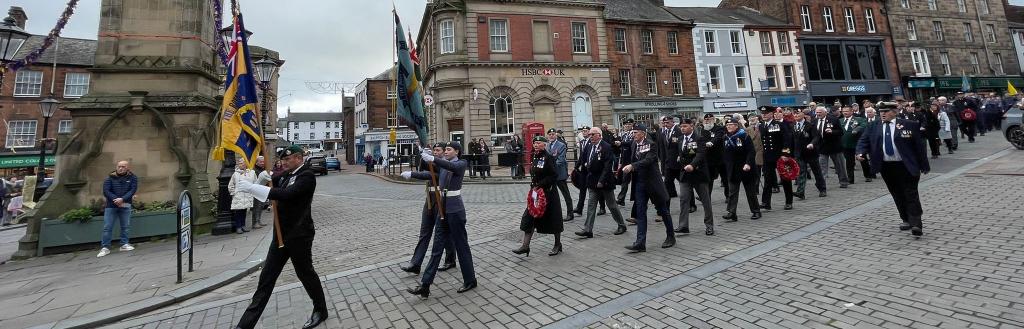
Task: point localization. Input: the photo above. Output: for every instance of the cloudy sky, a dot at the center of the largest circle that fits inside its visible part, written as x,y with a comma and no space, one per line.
344,41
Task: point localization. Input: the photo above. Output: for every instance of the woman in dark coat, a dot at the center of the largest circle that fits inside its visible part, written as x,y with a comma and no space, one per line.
740,164
544,176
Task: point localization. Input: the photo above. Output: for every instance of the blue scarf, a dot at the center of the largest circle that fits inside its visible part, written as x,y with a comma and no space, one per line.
731,141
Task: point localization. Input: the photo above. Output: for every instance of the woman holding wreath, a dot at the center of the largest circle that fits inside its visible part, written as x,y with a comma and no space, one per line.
543,213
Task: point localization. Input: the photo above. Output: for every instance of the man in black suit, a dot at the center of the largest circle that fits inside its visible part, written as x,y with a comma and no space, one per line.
668,153
806,142
831,133
776,136
600,182
622,145
896,148
293,189
648,185
693,177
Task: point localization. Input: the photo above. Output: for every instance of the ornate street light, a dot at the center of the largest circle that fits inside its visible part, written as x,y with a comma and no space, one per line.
11,39
47,108
266,69
228,33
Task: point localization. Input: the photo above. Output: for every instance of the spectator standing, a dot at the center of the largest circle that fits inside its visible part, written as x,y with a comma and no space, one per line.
241,201
119,189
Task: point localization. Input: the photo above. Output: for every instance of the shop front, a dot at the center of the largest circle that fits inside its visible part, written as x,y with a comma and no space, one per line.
24,164
782,99
850,92
377,143
996,84
920,89
649,111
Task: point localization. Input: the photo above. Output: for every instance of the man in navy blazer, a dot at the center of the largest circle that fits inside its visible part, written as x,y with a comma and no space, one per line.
897,149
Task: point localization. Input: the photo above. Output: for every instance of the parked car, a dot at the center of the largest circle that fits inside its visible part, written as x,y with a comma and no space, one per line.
1013,128
318,164
333,163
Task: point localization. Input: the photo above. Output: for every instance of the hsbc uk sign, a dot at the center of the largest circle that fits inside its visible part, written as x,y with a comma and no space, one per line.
547,72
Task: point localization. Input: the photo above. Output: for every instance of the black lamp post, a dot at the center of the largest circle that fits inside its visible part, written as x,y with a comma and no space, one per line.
266,68
47,108
11,39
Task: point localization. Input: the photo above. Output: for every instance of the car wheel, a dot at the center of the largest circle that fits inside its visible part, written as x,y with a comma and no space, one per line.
1015,135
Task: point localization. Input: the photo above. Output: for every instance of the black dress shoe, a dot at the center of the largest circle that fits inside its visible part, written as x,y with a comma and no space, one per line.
467,287
621,203
709,231
916,231
683,230
602,212
904,226
636,248
568,219
731,217
800,195
693,209
620,230
756,215
409,268
822,194
421,291
522,250
775,190
844,185
868,180
671,241
766,206
631,221
315,319
446,266
788,206
585,234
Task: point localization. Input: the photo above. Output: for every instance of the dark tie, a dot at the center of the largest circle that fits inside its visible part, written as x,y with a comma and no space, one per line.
890,149
800,126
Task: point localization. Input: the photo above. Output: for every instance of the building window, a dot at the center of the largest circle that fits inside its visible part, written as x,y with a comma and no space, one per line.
920,60
911,30
337,135
28,83
824,62
677,82
624,83
975,66
447,31
741,77
766,42
905,3
392,92
673,42
709,43
715,78
652,82
944,59
502,116
392,119
865,62
327,135
579,37
541,37
784,43
620,40
64,127
937,28
647,41
805,17
983,6
787,76
498,29
771,76
869,17
734,40
827,13
932,5
998,63
968,32
76,84
851,22
337,124
312,125
295,125
961,6
295,136
312,136
990,31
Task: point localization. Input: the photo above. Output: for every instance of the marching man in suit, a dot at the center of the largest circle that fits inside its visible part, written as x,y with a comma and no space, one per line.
897,149
648,184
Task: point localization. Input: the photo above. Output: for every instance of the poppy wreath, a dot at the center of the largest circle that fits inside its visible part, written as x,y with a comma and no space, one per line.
788,168
536,202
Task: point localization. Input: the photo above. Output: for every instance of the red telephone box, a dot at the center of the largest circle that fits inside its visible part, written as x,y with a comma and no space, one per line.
530,130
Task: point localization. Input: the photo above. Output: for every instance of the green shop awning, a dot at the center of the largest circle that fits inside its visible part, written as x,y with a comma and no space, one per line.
921,83
997,83
950,83
24,161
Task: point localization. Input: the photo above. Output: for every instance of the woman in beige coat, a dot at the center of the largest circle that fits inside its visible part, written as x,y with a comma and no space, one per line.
755,135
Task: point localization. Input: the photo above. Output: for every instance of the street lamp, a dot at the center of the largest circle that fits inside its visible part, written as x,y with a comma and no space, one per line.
11,39
266,68
228,33
47,108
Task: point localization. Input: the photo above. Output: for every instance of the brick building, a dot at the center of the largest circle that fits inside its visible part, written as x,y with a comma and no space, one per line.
493,66
374,116
652,62
23,89
846,46
938,41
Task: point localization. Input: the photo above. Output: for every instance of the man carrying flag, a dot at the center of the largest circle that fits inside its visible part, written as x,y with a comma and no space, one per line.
293,189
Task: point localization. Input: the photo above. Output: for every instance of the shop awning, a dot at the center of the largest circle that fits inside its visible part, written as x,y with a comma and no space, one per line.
25,161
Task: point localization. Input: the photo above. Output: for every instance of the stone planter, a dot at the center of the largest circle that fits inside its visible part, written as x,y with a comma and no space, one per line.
78,236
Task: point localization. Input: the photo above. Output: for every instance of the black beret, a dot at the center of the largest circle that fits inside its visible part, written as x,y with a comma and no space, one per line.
640,126
628,121
540,138
709,115
552,130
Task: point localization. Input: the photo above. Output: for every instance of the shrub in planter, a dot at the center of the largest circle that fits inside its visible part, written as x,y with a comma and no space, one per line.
80,215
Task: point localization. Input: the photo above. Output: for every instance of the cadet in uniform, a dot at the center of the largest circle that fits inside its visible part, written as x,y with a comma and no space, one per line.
428,220
775,136
293,189
647,185
693,177
453,223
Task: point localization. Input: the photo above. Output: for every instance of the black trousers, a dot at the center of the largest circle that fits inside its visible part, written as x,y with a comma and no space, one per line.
749,187
300,252
969,128
933,144
771,178
850,155
563,186
624,188
451,230
670,176
903,187
428,220
687,190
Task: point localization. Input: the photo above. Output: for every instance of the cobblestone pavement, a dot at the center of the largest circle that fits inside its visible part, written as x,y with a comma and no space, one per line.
825,253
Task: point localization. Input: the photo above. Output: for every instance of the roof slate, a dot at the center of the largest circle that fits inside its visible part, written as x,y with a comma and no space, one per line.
709,15
70,51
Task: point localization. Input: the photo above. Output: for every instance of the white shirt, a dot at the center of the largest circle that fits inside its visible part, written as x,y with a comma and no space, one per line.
892,137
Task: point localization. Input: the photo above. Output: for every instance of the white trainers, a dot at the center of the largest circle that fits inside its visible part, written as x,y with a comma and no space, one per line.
103,252
127,247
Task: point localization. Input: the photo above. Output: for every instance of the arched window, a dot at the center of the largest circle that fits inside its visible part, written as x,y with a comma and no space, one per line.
502,115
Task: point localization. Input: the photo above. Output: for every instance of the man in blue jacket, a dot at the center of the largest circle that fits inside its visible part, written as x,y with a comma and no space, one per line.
896,148
119,189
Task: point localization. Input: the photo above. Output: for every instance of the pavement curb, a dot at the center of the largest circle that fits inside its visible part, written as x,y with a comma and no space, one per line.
241,269
12,227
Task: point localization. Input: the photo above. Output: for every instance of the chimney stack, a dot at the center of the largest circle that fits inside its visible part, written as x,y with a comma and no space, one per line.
19,16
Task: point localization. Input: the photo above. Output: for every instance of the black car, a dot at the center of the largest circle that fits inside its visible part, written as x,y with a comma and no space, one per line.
318,164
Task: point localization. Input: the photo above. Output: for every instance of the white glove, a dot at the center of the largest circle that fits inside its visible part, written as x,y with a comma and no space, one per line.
243,185
260,192
407,174
427,156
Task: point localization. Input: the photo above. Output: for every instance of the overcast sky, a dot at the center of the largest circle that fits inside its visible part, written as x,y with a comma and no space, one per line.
345,41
